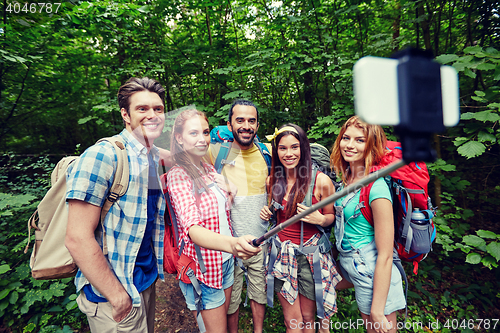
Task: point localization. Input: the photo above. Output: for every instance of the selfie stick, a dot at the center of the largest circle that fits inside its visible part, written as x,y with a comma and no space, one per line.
419,100
332,198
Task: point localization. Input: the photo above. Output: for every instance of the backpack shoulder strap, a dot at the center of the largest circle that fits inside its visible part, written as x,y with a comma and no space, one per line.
364,199
308,198
221,158
265,154
173,219
61,169
197,197
308,202
120,180
171,222
310,189
225,148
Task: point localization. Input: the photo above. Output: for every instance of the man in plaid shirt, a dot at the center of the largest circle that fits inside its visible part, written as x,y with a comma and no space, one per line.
117,290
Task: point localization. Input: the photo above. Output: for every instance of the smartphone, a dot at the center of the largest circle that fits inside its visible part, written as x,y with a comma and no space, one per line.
385,96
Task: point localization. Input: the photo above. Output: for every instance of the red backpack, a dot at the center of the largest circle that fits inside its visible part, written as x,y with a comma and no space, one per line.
174,261
413,210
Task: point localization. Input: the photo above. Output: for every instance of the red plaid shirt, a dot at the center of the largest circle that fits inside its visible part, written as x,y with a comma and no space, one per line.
180,187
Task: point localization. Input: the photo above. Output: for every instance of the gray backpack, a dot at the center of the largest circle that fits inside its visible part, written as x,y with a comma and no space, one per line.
320,157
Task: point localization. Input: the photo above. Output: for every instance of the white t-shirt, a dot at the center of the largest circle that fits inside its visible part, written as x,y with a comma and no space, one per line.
223,222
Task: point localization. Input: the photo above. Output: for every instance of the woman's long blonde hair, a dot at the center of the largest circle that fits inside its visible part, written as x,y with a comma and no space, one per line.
179,154
374,147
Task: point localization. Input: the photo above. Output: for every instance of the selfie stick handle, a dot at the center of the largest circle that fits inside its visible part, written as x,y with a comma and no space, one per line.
332,198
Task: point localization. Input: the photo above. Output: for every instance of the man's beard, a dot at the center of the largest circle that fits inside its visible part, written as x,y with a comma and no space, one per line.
244,143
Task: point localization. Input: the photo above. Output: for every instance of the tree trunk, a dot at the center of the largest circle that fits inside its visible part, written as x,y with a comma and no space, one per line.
5,123
426,31
168,96
450,24
396,25
438,31
208,26
470,39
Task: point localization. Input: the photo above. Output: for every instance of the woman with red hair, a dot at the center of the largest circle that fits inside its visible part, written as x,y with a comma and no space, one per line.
366,251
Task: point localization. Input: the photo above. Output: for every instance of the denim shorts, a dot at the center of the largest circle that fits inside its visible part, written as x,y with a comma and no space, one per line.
358,267
211,298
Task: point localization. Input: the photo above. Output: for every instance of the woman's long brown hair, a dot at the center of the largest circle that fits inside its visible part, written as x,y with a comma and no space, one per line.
179,154
277,180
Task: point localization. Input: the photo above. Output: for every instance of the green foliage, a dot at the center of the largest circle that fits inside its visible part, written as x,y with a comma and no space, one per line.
27,304
327,128
452,234
480,126
453,230
485,252
59,75
9,201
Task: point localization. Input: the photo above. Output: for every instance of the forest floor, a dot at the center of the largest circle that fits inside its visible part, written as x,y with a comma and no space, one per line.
462,287
172,314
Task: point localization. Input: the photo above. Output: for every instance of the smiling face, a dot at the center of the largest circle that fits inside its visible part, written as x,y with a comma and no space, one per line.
352,146
145,118
289,151
195,137
244,125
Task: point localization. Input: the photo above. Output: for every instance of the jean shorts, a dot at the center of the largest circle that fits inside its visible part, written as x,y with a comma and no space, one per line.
211,298
358,267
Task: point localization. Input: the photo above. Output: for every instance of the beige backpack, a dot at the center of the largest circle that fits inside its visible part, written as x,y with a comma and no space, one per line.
50,259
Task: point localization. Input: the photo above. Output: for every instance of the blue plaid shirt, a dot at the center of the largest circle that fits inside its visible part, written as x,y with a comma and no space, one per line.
89,180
